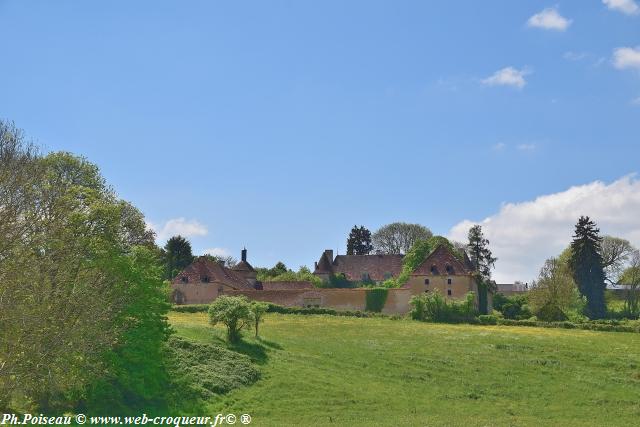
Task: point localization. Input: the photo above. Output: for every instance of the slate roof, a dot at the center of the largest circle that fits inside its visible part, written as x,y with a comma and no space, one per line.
242,266
203,267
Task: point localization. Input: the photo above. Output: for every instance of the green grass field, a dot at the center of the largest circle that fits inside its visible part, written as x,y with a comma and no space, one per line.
343,371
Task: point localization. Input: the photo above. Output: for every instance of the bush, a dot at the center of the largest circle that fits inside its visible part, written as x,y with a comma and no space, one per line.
190,308
512,307
551,313
234,312
487,319
203,370
375,299
434,307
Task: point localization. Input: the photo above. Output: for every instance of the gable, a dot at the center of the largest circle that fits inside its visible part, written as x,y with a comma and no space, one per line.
442,262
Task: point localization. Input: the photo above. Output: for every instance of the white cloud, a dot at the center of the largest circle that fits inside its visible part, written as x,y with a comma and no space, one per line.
499,146
178,226
629,7
526,147
626,57
507,76
221,252
523,235
549,19
635,101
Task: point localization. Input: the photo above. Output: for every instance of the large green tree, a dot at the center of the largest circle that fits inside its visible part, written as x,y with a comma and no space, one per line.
359,241
483,262
177,255
67,293
399,237
587,266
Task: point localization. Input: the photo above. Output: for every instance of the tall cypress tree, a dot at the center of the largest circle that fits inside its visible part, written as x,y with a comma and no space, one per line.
177,255
586,266
483,261
359,241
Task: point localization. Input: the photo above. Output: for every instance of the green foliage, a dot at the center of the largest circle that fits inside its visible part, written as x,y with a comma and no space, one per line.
587,266
488,319
399,237
554,294
203,370
433,307
258,309
417,254
303,274
135,376
269,274
76,290
232,311
359,241
375,299
512,307
337,281
177,256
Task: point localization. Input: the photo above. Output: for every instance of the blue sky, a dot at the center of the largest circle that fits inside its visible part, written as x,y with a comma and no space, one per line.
278,125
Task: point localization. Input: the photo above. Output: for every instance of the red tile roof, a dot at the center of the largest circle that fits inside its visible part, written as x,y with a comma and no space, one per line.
203,267
377,267
280,285
438,261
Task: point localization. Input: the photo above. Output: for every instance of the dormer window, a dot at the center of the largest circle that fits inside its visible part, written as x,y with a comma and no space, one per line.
184,279
205,279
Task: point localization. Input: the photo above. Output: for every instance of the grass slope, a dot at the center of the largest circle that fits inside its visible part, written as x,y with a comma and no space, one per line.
339,371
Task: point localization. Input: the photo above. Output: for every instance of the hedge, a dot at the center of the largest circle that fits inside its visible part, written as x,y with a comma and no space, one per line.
274,308
590,326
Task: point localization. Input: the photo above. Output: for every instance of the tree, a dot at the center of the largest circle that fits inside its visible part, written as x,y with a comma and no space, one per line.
631,280
258,310
359,241
554,293
483,261
399,237
587,266
615,254
227,260
234,312
73,284
177,256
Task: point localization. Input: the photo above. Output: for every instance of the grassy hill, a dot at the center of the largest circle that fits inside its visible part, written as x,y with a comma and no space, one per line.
343,371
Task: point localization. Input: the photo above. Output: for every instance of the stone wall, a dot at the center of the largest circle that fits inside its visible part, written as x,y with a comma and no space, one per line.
338,299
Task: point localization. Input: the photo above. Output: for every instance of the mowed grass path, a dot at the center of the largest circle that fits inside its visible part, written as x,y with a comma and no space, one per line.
343,371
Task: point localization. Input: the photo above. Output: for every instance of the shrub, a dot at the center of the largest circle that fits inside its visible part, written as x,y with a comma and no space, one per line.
551,313
233,311
190,308
375,299
203,370
435,308
487,319
258,309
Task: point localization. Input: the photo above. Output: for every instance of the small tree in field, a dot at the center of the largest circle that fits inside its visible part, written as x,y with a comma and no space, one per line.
258,309
233,312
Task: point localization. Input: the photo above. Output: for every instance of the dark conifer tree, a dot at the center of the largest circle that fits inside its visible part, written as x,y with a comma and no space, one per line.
177,255
359,241
483,261
586,266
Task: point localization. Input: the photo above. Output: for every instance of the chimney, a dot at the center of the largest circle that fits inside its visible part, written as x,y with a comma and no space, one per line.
244,255
329,254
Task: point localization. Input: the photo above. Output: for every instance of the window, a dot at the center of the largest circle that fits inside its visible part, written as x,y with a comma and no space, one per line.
220,290
426,281
365,277
434,269
184,279
387,275
205,279
448,281
449,269
449,292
